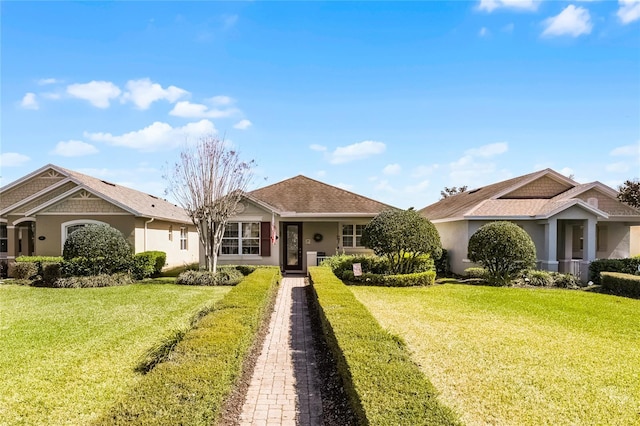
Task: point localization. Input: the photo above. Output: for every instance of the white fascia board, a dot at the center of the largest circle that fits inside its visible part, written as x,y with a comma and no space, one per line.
34,196
576,202
287,215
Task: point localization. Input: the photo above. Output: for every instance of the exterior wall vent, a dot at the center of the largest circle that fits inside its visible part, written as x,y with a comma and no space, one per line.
593,202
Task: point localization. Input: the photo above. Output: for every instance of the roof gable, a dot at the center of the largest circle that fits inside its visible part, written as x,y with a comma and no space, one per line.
303,195
544,187
29,186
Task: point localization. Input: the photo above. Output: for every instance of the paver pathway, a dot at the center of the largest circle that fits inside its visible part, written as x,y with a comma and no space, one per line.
284,388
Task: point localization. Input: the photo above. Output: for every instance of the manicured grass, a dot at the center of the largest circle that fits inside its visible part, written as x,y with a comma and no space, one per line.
520,356
384,385
192,386
67,354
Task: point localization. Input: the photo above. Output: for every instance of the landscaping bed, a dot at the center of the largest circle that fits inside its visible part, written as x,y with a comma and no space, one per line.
382,382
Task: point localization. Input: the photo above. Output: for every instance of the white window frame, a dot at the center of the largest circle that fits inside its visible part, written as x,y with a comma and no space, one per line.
240,238
354,234
66,225
184,238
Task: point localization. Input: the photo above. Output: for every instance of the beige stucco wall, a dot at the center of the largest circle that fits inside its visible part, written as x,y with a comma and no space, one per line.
634,242
155,236
51,228
454,237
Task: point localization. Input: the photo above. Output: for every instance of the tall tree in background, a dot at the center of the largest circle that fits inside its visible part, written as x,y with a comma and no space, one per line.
448,192
629,192
208,181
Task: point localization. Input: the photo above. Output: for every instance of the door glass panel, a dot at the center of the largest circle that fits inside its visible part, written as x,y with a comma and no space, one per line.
292,245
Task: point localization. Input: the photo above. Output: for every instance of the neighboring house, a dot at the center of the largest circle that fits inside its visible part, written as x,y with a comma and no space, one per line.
571,224
39,211
310,219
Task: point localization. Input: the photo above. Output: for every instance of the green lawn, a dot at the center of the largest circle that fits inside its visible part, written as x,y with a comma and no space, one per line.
510,356
66,355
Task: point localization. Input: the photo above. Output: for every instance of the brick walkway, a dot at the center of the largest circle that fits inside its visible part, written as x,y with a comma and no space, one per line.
284,388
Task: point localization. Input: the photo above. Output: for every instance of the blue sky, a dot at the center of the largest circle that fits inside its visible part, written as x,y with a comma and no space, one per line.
394,101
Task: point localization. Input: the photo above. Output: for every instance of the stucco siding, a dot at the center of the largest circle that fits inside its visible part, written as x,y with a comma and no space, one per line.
634,243
618,240
455,237
51,228
165,236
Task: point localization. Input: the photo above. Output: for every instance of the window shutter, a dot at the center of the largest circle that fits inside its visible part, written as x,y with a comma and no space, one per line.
265,239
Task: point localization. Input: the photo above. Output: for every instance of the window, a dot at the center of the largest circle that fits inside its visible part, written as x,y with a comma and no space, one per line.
183,238
170,232
3,238
352,235
72,228
241,238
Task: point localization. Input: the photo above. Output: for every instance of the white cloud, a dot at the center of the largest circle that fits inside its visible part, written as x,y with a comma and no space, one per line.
392,169
627,150
422,171
29,101
47,81
316,147
483,32
620,167
242,125
356,151
187,109
74,149
567,171
384,185
491,5
629,11
489,150
144,92
12,159
572,21
98,93
221,100
157,136
346,186
417,188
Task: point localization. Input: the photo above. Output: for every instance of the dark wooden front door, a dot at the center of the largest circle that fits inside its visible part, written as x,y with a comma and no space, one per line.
292,246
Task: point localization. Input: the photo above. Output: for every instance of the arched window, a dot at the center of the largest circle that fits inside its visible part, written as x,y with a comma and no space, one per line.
74,225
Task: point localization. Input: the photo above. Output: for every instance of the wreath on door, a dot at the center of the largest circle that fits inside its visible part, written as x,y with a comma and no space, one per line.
317,238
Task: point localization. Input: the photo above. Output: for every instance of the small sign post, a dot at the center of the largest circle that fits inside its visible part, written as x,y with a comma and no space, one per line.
357,269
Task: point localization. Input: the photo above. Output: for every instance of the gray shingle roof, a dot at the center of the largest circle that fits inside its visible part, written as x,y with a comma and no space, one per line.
303,195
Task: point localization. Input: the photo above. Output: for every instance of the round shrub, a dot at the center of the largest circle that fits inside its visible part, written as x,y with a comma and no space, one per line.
101,245
503,249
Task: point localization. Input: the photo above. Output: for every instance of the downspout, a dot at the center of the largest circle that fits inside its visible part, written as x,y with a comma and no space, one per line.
145,231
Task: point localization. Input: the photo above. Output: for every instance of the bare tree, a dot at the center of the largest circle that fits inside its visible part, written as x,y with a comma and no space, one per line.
448,192
208,181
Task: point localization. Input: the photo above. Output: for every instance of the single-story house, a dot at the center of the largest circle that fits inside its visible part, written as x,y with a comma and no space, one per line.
570,223
39,211
294,222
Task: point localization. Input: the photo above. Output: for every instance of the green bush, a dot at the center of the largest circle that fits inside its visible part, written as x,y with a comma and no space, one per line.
503,249
205,365
475,272
42,259
224,276
105,248
103,280
443,268
384,385
565,280
246,269
148,264
24,270
538,278
621,284
51,272
401,280
85,266
344,262
625,266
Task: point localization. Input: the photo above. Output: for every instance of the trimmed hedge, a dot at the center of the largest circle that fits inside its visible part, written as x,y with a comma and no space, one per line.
621,284
148,264
626,266
205,365
225,275
384,385
402,280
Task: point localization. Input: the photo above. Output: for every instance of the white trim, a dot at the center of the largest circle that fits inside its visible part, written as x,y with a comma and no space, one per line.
88,214
73,191
23,219
33,174
65,225
36,195
290,215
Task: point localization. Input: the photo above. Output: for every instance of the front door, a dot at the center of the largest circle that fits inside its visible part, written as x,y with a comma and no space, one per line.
293,246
